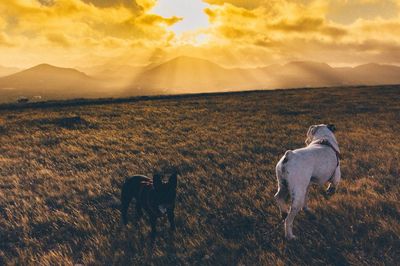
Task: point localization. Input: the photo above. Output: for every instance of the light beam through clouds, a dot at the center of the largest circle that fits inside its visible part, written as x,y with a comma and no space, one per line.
233,32
191,12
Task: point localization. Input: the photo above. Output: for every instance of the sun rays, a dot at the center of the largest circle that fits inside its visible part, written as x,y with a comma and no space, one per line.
191,28
76,32
191,12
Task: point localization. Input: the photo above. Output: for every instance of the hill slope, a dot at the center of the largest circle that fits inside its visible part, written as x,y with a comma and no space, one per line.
372,74
50,82
60,182
188,74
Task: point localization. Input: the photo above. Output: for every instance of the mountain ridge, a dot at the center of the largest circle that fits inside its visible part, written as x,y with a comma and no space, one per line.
186,74
45,81
168,76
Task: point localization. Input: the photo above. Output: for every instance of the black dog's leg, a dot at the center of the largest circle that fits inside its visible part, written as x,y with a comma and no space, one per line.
171,218
153,222
126,198
139,209
124,211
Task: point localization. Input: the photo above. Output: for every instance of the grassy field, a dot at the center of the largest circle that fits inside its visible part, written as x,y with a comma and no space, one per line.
60,180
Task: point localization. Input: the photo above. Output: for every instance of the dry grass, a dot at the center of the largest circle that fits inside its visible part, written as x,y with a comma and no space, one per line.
60,179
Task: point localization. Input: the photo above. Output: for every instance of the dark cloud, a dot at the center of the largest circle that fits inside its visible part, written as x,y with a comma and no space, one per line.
46,2
240,3
309,24
132,4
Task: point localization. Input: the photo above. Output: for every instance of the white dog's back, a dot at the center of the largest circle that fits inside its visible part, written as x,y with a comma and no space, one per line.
320,160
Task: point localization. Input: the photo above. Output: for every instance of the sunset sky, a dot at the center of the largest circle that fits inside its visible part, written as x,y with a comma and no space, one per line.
232,33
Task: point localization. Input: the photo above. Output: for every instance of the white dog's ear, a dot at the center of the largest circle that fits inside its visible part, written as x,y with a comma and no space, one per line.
331,127
310,133
311,130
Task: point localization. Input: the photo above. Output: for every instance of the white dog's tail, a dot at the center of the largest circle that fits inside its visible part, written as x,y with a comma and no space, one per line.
287,156
281,172
281,175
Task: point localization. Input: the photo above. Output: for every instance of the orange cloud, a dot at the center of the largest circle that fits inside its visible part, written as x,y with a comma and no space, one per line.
59,39
5,40
308,30
33,25
240,32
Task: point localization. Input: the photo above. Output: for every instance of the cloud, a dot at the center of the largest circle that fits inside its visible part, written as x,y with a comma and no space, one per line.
239,31
46,2
33,25
377,28
5,40
107,3
284,20
347,12
240,3
309,29
58,39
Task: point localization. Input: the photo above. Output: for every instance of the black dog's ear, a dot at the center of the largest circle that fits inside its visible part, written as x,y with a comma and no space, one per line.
173,180
331,127
157,181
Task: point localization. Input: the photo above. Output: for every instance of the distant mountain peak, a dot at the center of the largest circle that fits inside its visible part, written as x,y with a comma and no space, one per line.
189,59
48,66
44,65
307,63
186,57
187,62
371,64
50,69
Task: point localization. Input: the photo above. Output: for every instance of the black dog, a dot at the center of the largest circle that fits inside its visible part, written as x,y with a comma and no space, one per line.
154,196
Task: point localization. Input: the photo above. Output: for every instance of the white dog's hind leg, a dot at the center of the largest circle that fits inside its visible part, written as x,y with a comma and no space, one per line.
305,206
283,191
334,182
280,198
298,197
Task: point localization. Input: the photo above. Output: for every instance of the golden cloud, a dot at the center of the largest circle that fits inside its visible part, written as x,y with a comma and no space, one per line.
70,24
254,32
59,39
309,30
5,40
282,20
241,3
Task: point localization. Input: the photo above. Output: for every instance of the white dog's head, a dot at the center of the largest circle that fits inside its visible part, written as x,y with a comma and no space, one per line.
322,131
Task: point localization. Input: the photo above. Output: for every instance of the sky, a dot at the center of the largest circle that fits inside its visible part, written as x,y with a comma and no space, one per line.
233,33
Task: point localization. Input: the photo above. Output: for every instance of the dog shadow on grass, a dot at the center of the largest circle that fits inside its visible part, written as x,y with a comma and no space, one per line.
334,237
314,242
131,243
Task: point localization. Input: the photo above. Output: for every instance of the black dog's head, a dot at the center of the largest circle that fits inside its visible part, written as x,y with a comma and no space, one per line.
165,192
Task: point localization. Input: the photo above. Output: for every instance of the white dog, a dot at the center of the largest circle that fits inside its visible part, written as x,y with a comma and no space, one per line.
318,162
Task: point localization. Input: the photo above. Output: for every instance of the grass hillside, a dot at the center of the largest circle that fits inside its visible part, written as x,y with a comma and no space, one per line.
62,169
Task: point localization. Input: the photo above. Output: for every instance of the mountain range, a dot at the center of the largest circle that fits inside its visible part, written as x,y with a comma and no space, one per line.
183,75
